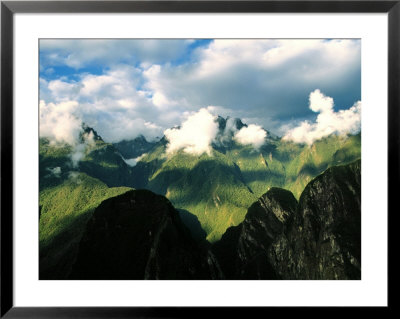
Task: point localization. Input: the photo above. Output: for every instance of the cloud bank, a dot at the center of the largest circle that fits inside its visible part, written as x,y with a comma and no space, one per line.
200,130
81,53
124,88
328,121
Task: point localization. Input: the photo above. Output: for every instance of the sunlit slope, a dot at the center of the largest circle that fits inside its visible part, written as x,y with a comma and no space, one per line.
314,159
73,180
64,212
218,188
211,187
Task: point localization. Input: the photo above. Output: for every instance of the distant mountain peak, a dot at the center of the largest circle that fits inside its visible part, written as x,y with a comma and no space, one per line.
89,130
235,122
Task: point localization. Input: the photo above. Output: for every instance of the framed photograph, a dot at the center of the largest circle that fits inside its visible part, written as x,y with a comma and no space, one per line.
159,158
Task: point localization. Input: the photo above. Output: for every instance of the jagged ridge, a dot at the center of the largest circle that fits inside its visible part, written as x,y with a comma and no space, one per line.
318,238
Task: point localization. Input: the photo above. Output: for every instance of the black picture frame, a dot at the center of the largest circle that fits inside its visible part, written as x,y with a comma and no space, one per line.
9,8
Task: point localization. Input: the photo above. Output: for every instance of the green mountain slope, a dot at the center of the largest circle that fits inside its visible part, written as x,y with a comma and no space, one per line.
64,212
92,156
73,181
134,148
218,188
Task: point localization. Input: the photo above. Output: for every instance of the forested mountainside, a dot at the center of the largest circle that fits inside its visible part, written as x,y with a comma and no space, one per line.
140,235
218,188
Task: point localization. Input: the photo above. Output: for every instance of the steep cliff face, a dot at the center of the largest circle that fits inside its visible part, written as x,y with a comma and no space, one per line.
243,250
139,235
324,238
318,238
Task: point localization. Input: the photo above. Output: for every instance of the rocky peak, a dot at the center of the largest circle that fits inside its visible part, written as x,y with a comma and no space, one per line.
242,251
317,238
139,235
86,130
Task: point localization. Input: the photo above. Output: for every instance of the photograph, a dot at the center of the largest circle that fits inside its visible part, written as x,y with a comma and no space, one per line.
199,159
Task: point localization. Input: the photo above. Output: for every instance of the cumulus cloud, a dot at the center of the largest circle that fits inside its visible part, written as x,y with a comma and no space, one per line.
257,74
251,135
144,86
201,129
110,102
328,121
195,134
64,91
59,122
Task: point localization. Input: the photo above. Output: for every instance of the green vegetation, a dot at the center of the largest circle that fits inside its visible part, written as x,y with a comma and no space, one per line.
64,212
219,188
69,192
216,188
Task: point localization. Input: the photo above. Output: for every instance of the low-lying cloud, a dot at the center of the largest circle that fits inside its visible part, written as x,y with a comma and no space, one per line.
59,123
79,150
328,121
55,171
133,161
251,135
200,130
195,134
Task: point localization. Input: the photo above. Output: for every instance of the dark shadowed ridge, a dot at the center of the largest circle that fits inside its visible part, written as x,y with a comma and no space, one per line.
139,235
318,238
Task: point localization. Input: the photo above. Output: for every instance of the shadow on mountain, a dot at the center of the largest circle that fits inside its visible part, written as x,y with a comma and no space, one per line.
111,176
139,235
46,177
193,224
309,169
315,238
250,176
142,171
57,256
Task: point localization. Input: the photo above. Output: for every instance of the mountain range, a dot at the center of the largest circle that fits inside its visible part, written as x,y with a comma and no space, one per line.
198,209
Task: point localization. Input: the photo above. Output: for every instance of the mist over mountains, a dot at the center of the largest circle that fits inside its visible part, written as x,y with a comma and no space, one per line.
199,159
210,192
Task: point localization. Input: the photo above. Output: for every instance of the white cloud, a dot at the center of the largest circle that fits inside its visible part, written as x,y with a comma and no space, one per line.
75,177
78,154
251,135
80,53
55,171
142,90
79,150
195,135
328,121
63,91
111,103
133,161
59,123
257,74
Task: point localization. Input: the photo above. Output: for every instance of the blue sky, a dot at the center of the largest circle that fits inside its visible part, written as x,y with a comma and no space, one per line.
124,88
